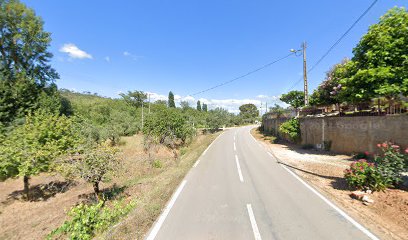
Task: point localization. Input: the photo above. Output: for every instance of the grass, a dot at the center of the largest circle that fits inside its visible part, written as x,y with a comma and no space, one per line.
152,186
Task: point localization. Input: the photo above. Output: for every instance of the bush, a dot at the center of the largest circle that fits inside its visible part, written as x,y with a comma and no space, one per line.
365,175
87,220
291,128
392,163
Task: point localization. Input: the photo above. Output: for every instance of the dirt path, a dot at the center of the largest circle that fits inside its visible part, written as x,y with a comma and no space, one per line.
387,217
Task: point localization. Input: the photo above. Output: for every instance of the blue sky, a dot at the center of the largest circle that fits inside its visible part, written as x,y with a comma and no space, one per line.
186,46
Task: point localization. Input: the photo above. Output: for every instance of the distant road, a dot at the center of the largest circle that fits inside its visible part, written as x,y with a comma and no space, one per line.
237,190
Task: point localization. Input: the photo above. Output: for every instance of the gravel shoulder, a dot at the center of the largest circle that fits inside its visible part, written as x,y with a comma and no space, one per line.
387,217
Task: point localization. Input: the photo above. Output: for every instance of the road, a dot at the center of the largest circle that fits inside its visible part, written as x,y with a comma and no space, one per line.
238,190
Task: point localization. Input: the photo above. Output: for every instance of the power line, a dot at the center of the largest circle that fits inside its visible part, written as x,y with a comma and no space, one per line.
242,76
338,41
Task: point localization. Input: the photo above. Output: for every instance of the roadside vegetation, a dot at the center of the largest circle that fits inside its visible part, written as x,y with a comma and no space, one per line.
79,139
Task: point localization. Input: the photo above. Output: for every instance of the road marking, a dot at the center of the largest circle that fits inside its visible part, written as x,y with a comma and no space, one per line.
270,154
235,148
196,163
341,212
239,169
255,229
166,211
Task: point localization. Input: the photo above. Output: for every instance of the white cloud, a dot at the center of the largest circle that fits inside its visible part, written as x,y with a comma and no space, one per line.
74,52
132,56
107,58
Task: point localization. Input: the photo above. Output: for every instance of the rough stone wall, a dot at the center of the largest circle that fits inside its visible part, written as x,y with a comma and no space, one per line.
350,134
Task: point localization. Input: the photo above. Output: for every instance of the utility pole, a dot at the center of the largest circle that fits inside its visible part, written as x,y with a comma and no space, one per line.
149,103
305,74
266,111
142,117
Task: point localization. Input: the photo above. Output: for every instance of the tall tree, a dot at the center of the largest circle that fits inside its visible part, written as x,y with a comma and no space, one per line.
294,99
171,102
135,98
25,72
249,112
199,105
380,62
205,107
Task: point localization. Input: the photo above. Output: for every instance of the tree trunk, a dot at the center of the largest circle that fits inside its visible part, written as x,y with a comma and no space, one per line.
26,187
96,190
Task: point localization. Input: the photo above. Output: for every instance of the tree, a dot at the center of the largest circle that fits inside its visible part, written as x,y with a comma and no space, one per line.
171,102
31,148
135,98
184,105
94,165
380,62
329,91
205,107
199,106
25,72
294,98
218,118
249,112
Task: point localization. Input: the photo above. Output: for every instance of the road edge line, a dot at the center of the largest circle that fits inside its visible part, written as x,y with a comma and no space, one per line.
241,178
328,202
160,221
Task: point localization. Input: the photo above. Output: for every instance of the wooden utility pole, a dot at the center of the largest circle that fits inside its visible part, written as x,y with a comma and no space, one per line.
305,74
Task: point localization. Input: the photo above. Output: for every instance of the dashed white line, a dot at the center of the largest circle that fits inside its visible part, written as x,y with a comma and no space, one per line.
239,169
166,211
341,212
235,147
255,229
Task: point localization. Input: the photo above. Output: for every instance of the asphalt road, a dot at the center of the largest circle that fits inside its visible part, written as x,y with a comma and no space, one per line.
237,190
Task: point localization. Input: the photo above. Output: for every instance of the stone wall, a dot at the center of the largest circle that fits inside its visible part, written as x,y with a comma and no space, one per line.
350,134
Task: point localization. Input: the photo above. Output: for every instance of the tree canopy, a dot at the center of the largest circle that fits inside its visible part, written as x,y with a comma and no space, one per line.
170,101
25,72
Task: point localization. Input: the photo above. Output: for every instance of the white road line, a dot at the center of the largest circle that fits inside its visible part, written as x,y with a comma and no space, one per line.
166,211
239,169
341,212
270,154
235,147
196,163
255,229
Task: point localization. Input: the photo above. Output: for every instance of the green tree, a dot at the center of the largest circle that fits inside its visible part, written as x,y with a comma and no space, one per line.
171,102
199,106
94,165
329,91
25,72
205,107
184,105
294,99
218,118
134,98
31,148
380,62
249,112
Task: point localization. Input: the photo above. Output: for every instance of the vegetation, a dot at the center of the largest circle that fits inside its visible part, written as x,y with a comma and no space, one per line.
25,75
170,101
364,175
248,113
87,220
31,148
378,172
378,69
296,99
291,128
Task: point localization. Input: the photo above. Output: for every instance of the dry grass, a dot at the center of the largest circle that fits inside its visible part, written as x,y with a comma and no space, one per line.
150,186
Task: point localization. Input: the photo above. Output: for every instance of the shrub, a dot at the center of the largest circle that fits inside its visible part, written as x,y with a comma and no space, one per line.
157,164
86,220
365,175
362,155
392,162
291,128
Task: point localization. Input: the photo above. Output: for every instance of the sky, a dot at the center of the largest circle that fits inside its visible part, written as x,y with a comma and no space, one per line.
186,46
